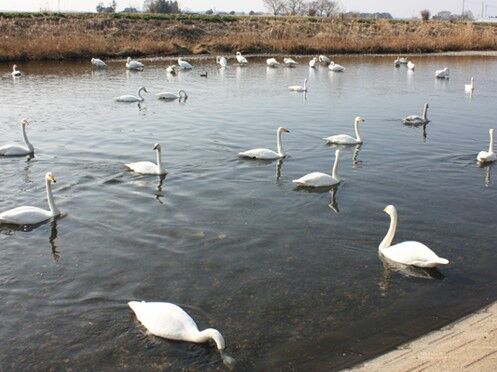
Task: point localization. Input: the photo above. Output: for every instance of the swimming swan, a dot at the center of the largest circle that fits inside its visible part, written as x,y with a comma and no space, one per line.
469,88
336,67
147,167
18,150
272,62
267,154
488,156
171,69
171,96
241,59
313,62
411,65
318,179
442,74
15,71
132,98
324,59
345,139
397,63
98,63
222,61
133,65
289,62
407,253
184,65
167,320
417,120
299,88
32,215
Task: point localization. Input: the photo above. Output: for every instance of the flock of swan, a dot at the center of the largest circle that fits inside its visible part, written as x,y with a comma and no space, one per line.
170,321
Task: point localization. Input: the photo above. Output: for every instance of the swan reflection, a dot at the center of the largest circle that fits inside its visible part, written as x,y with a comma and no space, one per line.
279,164
53,241
333,202
488,172
159,193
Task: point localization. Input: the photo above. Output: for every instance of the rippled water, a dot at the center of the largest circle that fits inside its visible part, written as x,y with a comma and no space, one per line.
289,282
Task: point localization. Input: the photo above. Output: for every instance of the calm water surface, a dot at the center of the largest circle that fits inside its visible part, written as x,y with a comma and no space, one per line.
289,282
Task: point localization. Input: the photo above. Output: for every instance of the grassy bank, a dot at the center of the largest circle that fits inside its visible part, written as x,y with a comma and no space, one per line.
34,36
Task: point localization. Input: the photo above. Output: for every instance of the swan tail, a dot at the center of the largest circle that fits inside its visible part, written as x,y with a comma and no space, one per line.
135,305
442,261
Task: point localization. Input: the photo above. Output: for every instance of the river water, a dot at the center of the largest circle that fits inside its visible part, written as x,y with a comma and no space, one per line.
292,279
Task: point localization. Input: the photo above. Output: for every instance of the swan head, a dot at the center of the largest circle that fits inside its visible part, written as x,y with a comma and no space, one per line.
93,60
491,131
390,210
50,177
156,147
238,53
144,89
14,67
427,106
359,120
281,129
25,122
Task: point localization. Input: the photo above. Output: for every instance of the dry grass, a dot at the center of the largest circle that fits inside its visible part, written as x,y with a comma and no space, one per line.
71,36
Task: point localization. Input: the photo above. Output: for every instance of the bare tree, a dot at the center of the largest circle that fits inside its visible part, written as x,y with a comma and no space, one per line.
294,7
326,8
425,15
275,6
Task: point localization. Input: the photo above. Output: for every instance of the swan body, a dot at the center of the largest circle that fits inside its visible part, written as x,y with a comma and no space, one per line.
397,63
336,67
32,215
171,96
324,59
299,88
469,88
488,156
134,65
132,98
272,62
318,179
171,69
147,167
289,62
184,65
313,62
97,62
267,154
16,149
411,65
407,253
403,61
222,61
15,71
442,74
241,59
417,120
345,139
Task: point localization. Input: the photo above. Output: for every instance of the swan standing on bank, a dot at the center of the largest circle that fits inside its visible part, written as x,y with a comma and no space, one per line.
313,62
411,65
272,62
184,65
98,63
345,139
267,154
319,179
407,253
469,88
134,65
147,167
299,88
132,98
241,59
336,67
222,61
16,149
15,71
32,215
442,74
172,96
324,59
417,120
488,156
289,62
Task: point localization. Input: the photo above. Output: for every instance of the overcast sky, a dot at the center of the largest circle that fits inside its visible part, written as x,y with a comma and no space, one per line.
398,8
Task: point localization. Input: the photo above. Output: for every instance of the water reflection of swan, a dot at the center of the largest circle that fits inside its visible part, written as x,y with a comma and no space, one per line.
267,154
333,201
355,156
159,194
172,96
52,240
319,179
417,120
279,164
132,98
488,156
488,175
345,139
147,167
407,253
18,150
164,319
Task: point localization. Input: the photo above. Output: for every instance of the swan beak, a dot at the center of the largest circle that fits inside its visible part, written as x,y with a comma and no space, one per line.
146,91
156,147
52,178
286,130
385,210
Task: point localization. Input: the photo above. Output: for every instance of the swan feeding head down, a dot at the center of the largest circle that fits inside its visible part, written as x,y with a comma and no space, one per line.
319,179
488,156
417,120
407,253
324,59
132,98
33,215
289,62
181,95
345,139
19,150
267,154
147,167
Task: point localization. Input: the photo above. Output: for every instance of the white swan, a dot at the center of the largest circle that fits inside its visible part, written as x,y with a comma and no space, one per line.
403,60
222,61
319,179
171,69
98,63
324,59
397,63
132,98
32,215
336,67
134,65
241,59
469,88
407,253
171,96
416,120
267,154
18,150
299,88
272,62
442,74
289,62
345,139
15,71
411,65
313,62
488,156
147,167
184,65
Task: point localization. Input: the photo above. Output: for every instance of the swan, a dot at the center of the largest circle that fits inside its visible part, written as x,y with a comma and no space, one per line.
299,88
134,65
184,65
345,139
147,167
397,63
132,98
410,65
32,215
289,62
403,60
313,62
416,120
241,59
167,320
222,61
442,74
171,96
488,156
318,179
324,59
336,67
98,63
407,253
267,154
469,88
171,69
15,71
18,150
272,62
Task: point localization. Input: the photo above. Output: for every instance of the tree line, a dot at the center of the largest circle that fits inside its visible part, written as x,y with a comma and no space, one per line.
322,8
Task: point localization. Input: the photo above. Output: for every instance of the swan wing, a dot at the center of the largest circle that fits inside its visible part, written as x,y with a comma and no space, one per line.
296,88
413,253
25,216
14,150
143,167
260,153
127,98
167,95
316,179
241,59
485,156
342,139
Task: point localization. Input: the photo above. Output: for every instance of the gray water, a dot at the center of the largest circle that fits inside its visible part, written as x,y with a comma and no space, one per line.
288,281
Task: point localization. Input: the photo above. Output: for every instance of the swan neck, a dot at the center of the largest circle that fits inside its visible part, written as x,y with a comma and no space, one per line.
26,140
357,134
159,160
279,144
140,94
211,334
387,241
334,172
425,113
51,203
491,145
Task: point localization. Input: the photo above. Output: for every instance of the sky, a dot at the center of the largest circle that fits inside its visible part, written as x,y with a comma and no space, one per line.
398,8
